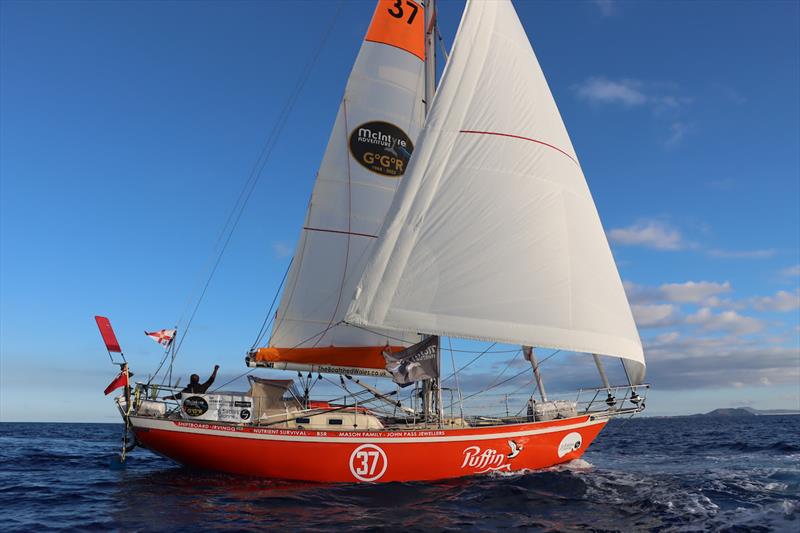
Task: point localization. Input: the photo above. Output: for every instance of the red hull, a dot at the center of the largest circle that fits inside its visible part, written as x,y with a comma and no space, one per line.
380,456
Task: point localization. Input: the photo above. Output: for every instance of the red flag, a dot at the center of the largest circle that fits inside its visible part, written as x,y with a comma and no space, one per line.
120,381
163,336
107,332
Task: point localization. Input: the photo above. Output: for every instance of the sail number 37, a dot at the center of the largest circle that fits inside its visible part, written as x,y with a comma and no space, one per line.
398,12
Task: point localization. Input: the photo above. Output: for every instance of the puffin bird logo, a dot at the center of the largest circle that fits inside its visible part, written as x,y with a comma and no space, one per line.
515,449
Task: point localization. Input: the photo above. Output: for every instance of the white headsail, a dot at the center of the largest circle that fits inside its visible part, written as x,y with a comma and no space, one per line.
376,129
493,233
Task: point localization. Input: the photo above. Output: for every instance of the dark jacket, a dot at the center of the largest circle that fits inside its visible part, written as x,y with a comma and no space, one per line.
195,388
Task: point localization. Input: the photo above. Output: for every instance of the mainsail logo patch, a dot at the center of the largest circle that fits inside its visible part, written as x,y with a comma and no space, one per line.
382,148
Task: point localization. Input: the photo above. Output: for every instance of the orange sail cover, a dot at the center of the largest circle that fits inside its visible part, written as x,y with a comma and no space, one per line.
355,356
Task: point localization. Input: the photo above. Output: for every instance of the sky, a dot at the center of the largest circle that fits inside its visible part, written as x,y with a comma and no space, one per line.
127,130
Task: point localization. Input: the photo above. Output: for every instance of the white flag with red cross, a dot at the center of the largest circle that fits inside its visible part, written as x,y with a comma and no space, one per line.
163,336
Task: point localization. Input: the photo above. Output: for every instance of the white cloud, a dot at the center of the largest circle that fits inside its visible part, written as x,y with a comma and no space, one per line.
790,272
677,132
604,91
694,291
692,361
705,293
658,97
281,249
650,234
730,94
782,301
662,99
607,7
726,321
655,316
667,338
742,254
747,402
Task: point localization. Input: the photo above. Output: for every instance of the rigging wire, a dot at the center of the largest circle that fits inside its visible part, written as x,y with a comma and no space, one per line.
508,365
250,184
161,364
268,319
243,374
473,360
511,378
455,373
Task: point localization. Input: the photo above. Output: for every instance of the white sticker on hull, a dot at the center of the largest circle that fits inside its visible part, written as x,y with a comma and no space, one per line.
368,462
570,443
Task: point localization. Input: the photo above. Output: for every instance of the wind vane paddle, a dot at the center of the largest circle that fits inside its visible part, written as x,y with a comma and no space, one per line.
110,340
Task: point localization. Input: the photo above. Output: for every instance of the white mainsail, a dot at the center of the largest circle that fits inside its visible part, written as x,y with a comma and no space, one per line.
377,125
493,233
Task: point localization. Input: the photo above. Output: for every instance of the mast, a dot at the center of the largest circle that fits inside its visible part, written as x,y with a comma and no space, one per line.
610,400
430,53
432,389
530,355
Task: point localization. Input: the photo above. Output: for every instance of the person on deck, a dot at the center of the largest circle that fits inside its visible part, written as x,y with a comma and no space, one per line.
194,386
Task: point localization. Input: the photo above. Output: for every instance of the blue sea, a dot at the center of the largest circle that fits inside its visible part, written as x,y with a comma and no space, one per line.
644,474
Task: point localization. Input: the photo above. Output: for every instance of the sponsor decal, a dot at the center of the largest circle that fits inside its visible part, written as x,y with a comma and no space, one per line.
195,406
244,414
368,462
415,363
243,404
344,370
515,449
570,443
484,460
382,148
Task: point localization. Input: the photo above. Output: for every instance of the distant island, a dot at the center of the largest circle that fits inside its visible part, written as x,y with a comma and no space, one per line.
748,411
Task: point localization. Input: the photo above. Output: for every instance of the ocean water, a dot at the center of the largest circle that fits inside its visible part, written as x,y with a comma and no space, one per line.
669,474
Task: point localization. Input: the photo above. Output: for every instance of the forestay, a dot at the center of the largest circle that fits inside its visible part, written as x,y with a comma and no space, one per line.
376,128
494,234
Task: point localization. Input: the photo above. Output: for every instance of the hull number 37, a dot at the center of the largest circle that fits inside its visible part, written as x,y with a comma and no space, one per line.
368,462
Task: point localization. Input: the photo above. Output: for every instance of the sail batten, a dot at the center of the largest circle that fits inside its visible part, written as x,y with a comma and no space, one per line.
493,234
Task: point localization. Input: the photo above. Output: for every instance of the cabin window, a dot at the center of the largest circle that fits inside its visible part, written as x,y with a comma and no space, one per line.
335,421
303,420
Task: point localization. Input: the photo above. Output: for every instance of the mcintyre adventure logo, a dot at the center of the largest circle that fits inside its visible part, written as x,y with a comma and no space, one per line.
195,406
382,148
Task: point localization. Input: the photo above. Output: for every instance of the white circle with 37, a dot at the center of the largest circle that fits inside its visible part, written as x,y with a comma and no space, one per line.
570,443
368,462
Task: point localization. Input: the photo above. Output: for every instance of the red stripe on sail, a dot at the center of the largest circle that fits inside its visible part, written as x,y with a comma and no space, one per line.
537,141
342,232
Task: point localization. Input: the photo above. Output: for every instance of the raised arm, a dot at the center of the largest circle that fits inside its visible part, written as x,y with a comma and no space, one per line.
211,379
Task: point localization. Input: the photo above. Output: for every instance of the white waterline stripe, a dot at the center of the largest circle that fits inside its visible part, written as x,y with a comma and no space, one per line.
168,425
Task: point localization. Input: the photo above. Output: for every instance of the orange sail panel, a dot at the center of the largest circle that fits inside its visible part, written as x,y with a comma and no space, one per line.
354,356
399,23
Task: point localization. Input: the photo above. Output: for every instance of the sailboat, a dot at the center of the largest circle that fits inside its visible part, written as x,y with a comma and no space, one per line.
457,212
